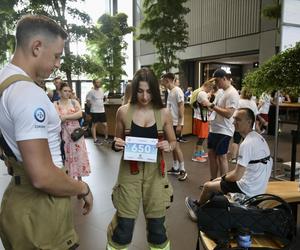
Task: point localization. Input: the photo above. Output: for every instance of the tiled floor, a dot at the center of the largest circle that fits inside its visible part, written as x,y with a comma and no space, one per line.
104,163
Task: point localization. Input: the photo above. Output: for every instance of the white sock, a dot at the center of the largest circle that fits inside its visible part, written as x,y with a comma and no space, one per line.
175,165
181,166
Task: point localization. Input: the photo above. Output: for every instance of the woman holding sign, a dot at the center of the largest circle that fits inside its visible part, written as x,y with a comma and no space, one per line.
144,131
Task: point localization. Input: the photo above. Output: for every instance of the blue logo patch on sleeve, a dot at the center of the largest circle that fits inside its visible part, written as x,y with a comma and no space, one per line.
39,115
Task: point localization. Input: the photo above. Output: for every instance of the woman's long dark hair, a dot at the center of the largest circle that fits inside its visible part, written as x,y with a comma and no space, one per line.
148,76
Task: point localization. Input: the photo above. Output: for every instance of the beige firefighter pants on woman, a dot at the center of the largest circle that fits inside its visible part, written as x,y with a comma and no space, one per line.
148,186
31,219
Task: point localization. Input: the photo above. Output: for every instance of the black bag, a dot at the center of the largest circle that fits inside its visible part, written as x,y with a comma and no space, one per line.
77,134
220,219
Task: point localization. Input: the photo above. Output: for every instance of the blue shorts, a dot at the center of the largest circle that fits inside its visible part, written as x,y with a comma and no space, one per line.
218,142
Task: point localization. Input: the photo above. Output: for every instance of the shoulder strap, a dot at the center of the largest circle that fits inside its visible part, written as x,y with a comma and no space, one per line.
157,115
12,79
129,118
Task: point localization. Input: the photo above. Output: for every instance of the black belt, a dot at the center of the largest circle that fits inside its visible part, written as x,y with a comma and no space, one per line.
263,160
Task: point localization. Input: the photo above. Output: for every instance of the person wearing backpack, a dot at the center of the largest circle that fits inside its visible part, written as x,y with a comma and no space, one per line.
252,171
200,121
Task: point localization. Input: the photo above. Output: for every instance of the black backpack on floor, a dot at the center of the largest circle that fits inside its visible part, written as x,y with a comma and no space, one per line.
220,219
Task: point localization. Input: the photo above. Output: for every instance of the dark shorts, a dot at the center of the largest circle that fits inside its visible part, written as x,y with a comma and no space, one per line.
176,134
218,142
237,138
98,117
230,187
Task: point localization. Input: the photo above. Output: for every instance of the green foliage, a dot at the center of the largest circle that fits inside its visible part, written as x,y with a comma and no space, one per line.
7,20
272,11
56,9
164,25
106,44
281,72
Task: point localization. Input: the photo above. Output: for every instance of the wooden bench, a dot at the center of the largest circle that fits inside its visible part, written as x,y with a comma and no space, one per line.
257,241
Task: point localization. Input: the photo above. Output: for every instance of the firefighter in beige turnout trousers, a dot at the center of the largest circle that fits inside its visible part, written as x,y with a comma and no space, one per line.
35,209
142,181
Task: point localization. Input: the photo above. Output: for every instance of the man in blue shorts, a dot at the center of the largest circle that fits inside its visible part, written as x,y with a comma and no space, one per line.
221,128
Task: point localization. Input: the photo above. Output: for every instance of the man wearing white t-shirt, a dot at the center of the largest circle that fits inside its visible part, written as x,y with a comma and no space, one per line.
95,98
175,103
36,206
221,128
252,171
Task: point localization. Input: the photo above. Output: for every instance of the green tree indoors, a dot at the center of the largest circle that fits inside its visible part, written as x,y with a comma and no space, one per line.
164,25
59,10
107,47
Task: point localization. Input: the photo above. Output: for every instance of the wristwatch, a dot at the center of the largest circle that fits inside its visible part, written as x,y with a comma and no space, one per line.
211,106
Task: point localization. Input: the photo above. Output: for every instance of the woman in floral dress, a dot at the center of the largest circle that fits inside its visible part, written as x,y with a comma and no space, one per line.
76,157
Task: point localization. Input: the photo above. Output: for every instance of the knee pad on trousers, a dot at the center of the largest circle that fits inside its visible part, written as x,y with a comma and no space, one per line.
122,234
156,231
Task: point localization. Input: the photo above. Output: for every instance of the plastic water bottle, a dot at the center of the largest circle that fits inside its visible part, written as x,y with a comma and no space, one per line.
244,238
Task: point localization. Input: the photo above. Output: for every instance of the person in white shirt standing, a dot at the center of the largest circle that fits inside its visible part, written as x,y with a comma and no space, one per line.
175,103
221,128
95,98
36,206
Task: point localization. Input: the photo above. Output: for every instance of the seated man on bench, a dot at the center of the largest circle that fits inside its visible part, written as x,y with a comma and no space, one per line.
252,171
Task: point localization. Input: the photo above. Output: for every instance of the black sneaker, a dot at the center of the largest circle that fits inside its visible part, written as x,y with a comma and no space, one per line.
192,207
182,140
173,171
98,142
182,175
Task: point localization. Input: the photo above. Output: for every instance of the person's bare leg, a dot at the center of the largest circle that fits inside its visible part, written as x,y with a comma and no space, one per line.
178,153
209,188
213,165
234,150
222,163
94,132
105,130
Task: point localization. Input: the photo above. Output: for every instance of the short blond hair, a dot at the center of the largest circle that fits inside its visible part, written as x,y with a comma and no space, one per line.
209,83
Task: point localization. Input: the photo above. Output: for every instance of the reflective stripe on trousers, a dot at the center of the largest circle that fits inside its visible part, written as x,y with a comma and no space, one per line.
167,247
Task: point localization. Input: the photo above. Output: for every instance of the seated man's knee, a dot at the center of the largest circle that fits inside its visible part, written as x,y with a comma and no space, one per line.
122,234
156,231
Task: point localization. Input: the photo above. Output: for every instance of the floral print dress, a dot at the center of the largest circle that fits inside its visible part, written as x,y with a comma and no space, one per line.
76,162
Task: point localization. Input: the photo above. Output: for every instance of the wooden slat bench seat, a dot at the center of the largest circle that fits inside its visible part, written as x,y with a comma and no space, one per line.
257,241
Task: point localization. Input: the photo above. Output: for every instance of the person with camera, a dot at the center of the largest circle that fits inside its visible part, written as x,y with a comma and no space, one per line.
253,169
75,152
36,206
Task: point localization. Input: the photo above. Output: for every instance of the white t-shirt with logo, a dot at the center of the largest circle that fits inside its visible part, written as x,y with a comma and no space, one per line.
222,125
175,96
26,113
96,96
256,176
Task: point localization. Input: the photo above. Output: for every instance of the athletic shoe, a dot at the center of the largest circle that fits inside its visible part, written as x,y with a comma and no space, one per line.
108,141
182,140
199,159
98,142
182,176
233,161
203,154
192,207
173,171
